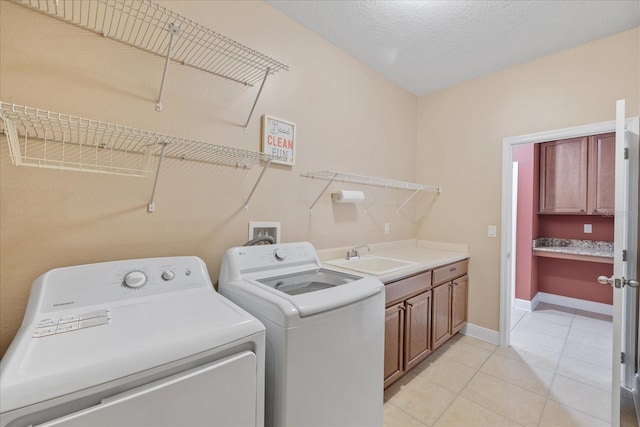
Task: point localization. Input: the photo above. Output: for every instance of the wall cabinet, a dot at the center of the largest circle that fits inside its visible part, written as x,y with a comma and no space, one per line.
602,161
419,319
576,175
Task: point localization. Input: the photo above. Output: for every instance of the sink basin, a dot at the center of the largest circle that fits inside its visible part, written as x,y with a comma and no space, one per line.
374,265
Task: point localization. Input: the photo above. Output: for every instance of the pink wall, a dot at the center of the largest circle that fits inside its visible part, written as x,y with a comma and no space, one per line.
575,279
527,220
572,227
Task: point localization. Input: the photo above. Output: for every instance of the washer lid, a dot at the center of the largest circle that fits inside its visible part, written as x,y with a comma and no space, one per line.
317,290
308,281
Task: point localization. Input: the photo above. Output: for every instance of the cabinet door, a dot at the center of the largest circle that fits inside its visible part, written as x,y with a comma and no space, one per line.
393,343
459,293
418,333
563,176
602,173
441,320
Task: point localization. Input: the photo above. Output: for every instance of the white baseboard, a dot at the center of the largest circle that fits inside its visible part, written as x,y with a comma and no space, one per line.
481,333
523,304
580,304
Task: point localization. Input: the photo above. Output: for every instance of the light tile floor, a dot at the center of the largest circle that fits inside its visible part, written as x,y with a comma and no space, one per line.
557,372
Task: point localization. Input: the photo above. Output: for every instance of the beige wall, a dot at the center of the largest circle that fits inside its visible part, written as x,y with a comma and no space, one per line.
460,132
349,119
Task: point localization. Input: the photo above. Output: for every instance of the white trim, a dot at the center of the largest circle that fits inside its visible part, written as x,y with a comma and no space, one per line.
566,133
484,334
580,304
523,304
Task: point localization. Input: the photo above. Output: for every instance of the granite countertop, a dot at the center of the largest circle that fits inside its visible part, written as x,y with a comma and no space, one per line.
593,248
423,255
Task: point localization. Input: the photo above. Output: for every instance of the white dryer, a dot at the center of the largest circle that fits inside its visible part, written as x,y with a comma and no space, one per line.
145,342
325,334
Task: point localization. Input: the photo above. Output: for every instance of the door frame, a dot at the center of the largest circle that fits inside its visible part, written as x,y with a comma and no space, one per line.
506,222
629,309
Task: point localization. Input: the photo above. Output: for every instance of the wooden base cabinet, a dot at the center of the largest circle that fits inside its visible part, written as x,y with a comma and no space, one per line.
420,318
441,324
407,325
418,334
393,343
449,302
459,293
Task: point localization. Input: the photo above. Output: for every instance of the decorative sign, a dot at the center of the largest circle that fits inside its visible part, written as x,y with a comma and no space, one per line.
279,139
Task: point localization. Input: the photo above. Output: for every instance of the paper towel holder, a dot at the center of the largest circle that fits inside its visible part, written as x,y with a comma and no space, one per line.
347,196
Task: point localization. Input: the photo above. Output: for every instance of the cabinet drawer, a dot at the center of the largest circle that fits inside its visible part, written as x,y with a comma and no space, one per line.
449,272
405,288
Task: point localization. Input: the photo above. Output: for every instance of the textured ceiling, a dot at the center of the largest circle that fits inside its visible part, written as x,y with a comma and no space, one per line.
429,45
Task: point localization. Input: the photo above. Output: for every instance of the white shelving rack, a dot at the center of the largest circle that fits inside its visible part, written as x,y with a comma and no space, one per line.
350,178
152,28
46,139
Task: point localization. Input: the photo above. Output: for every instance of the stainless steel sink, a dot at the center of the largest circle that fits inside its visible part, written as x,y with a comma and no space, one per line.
371,264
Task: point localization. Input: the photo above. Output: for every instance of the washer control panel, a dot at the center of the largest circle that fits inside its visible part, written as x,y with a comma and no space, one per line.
281,255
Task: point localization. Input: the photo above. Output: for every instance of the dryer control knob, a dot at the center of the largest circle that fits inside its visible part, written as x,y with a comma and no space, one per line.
168,275
279,255
135,279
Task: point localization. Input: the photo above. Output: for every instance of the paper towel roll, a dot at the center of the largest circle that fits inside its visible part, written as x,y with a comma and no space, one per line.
347,196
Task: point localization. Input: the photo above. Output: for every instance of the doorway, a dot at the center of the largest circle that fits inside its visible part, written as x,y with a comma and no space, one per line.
507,216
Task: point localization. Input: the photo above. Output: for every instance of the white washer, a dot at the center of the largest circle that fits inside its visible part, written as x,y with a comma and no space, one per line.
325,334
145,342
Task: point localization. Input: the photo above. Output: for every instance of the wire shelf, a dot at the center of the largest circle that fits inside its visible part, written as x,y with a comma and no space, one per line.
148,26
368,180
350,178
46,139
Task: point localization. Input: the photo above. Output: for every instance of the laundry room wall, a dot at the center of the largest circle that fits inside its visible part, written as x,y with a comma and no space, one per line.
460,134
348,118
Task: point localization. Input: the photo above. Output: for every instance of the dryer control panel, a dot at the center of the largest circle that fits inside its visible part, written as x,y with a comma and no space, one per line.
103,284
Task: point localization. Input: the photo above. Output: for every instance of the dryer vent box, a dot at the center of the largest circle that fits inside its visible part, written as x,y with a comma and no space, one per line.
262,228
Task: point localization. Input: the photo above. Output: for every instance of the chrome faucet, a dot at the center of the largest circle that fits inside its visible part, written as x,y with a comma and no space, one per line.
354,254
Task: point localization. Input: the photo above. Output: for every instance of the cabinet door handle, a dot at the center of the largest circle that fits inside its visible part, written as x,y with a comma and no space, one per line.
409,304
451,270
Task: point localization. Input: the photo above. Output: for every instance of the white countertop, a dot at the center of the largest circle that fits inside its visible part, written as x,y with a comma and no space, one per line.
425,254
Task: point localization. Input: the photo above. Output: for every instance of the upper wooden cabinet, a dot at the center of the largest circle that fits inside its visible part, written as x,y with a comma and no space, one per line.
602,161
576,175
563,176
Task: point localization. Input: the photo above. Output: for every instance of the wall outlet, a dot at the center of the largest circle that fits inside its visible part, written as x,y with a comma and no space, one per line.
387,228
588,228
264,228
491,231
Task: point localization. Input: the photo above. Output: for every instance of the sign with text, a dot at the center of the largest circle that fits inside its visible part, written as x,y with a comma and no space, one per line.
279,140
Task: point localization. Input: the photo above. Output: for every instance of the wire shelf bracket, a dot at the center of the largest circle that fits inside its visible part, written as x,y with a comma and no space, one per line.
152,28
46,139
350,178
